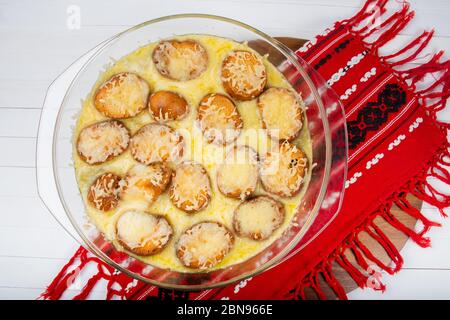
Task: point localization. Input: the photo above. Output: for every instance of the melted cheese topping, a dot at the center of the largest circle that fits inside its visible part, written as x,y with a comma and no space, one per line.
258,218
219,119
155,143
238,176
139,229
283,171
281,113
182,61
101,141
245,72
124,95
204,245
104,192
220,207
190,188
145,183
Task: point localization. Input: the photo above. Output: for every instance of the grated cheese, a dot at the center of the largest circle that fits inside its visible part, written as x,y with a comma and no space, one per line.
138,229
219,119
190,190
103,140
123,95
181,61
282,172
204,245
258,218
155,143
145,183
281,113
244,73
238,176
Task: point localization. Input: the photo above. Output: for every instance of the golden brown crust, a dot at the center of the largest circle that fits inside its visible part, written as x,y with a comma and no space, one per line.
258,218
190,190
219,119
124,95
180,60
167,106
243,75
103,194
151,232
155,143
238,176
204,245
281,113
102,141
282,171
146,183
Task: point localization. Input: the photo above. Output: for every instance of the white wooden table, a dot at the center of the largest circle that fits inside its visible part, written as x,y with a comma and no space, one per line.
38,41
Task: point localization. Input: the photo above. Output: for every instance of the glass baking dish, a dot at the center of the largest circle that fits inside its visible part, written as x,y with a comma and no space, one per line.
326,123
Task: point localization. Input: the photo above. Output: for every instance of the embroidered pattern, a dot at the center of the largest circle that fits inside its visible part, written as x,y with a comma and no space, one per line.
368,75
363,79
241,285
342,71
353,179
131,285
322,61
336,50
374,114
169,294
343,45
396,142
415,124
374,160
348,92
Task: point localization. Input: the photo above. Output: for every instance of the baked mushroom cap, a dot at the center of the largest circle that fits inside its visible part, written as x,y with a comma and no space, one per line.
204,245
237,177
180,60
155,143
104,192
243,75
102,141
146,183
281,113
143,233
124,95
219,119
282,171
258,218
190,190
167,106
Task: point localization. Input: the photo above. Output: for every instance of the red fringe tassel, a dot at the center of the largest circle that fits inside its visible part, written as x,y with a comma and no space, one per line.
64,279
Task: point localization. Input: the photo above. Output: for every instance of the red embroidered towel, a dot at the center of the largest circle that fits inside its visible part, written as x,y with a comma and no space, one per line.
396,144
